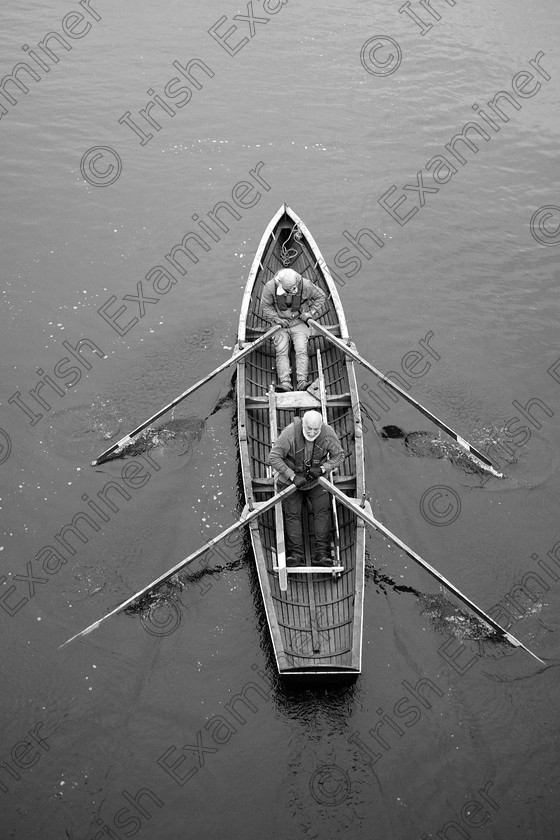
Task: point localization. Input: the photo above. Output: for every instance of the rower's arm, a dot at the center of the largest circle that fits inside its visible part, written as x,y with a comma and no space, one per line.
336,454
267,302
316,300
278,454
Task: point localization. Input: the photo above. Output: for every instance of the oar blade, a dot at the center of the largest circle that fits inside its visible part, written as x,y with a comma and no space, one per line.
113,451
516,643
82,633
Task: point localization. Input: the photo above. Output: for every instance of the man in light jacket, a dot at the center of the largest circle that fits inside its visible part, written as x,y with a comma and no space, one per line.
306,449
291,300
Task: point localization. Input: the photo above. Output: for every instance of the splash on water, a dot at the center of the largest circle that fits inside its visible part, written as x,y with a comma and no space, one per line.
169,591
74,431
423,444
448,618
178,436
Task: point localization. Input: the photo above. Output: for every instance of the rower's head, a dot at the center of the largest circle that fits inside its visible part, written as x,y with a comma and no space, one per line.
288,279
311,423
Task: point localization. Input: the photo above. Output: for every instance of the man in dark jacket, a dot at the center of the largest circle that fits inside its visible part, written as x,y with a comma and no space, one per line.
291,300
306,449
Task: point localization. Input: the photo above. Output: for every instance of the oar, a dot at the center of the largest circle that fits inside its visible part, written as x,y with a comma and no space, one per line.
234,359
350,351
248,517
353,505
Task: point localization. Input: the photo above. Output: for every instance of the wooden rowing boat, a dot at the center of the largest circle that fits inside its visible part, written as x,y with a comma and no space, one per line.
314,614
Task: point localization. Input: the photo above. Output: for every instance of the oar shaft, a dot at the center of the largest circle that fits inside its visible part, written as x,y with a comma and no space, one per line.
353,505
244,520
374,523
356,356
233,360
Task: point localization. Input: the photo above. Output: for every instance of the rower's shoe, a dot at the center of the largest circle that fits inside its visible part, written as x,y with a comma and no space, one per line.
322,559
295,560
285,386
303,385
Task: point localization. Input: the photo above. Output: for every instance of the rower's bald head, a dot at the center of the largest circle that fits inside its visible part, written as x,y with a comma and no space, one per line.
312,416
311,423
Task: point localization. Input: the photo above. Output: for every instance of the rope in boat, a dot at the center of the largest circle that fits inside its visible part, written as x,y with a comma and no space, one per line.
288,255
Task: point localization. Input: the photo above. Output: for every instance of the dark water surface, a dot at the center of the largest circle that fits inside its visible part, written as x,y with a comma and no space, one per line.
128,732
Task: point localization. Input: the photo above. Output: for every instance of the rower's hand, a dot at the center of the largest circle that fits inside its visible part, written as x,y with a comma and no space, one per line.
283,322
314,473
299,479
305,316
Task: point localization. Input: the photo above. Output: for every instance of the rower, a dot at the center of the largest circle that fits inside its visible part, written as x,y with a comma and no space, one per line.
290,300
305,450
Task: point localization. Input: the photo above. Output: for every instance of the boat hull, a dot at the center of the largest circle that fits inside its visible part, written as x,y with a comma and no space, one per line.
315,619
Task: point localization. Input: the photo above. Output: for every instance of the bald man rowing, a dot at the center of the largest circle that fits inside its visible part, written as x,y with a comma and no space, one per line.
306,449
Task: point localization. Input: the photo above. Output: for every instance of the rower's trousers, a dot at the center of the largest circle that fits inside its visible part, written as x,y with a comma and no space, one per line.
293,528
299,335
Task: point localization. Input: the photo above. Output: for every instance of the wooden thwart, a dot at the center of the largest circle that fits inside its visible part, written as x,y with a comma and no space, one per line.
312,570
296,400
